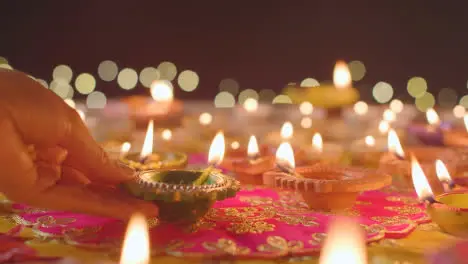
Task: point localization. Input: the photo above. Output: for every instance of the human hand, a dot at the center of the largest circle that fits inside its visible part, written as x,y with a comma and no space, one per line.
48,159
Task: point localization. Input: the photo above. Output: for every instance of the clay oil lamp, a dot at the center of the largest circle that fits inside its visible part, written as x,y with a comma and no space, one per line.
332,97
318,151
287,134
162,108
324,187
250,164
397,163
367,152
149,160
457,137
448,210
185,196
447,181
430,133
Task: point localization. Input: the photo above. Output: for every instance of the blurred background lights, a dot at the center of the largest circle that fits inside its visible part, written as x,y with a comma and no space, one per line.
96,100
357,69
310,82
382,92
62,72
361,108
166,134
127,78
425,102
108,70
43,83
149,75
266,95
396,106
464,101
282,99
62,88
447,97
6,66
250,105
235,145
168,70
224,100
70,103
388,115
306,122
229,85
459,111
188,80
3,60
85,83
306,108
205,118
247,93
417,87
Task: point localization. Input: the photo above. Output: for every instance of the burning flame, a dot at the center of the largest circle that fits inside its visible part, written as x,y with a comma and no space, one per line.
217,148
125,148
383,127
341,75
370,141
205,119
317,142
81,114
136,246
235,145
161,91
285,155
388,115
166,134
345,243
287,131
252,148
250,105
442,172
432,117
421,185
147,148
394,143
465,120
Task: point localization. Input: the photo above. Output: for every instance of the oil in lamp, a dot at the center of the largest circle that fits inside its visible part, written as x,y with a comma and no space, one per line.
430,133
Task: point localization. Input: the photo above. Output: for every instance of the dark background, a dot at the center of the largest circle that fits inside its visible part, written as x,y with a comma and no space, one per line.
261,44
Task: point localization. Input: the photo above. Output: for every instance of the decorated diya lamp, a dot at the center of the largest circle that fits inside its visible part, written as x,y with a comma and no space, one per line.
324,187
456,137
367,152
318,151
398,164
448,210
149,160
249,164
162,108
286,133
334,98
430,133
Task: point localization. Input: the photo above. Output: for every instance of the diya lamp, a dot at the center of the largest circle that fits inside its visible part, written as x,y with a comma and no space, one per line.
147,160
448,210
430,133
367,151
334,98
324,187
250,164
318,151
162,108
398,164
456,137
184,196
286,133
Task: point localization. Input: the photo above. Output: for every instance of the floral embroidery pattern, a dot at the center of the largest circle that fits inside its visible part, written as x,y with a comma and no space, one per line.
251,227
391,220
256,200
226,246
403,199
50,221
297,220
318,238
240,214
280,244
404,210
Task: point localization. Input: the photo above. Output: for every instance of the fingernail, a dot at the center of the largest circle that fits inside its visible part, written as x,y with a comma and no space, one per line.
125,168
62,156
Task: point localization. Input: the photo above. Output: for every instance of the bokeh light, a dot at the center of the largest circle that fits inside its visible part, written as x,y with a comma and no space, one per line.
282,99
266,95
43,83
224,100
108,70
464,101
388,115
424,102
148,75
417,87
96,100
85,83
396,106
6,66
63,72
247,93
382,92
250,105
3,60
459,111
62,88
127,78
70,103
447,97
188,80
306,122
310,82
361,108
205,118
357,69
229,85
235,145
306,108
168,70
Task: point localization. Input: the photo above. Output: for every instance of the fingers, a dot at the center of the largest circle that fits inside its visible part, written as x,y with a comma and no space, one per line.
54,155
73,176
86,155
92,200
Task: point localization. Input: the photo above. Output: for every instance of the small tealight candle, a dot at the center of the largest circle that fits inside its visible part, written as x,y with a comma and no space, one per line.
285,160
321,152
215,157
367,151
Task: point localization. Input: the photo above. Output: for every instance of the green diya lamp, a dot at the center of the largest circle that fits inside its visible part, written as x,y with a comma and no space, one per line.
149,160
184,196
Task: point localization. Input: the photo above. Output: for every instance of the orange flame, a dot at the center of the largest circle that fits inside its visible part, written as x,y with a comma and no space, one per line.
285,155
442,172
287,131
147,148
252,148
421,185
161,91
317,142
432,117
217,149
341,75
136,246
394,143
